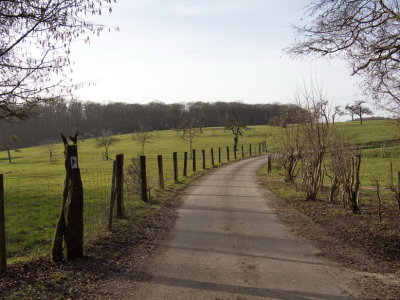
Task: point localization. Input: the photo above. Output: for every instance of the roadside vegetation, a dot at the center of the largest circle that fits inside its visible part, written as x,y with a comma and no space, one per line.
356,186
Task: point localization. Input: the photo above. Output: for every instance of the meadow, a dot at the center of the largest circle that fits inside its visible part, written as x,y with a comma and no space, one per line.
33,186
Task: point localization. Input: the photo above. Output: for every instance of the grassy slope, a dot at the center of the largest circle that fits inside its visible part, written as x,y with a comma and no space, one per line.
34,187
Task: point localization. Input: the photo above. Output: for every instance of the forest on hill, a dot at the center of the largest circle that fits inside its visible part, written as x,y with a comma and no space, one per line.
95,119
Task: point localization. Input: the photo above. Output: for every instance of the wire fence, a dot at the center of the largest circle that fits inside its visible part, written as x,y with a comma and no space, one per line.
33,203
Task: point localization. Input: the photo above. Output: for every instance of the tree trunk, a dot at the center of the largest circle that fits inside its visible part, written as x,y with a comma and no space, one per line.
9,155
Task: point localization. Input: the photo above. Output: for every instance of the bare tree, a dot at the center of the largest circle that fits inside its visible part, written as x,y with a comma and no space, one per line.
364,32
291,147
187,132
337,111
345,166
106,141
237,128
315,132
51,151
143,138
360,110
350,109
34,52
9,144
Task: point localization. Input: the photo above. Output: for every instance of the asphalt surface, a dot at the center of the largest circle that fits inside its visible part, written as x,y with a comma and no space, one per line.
228,244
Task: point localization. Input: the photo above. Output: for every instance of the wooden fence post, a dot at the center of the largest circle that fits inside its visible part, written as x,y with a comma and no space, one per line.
250,149
269,168
185,159
259,148
160,172
398,183
112,197
119,187
3,258
212,157
219,155
227,153
69,226
234,153
194,160
242,151
143,177
175,159
203,153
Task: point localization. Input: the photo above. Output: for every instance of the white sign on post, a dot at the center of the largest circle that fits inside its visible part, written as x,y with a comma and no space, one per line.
74,162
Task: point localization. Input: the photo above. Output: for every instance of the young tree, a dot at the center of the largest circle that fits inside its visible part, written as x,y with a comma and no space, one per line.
51,151
345,167
10,142
187,132
237,128
143,138
34,52
315,133
365,33
360,110
291,147
106,141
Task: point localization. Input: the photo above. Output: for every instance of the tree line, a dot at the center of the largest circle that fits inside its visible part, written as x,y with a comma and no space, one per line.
95,119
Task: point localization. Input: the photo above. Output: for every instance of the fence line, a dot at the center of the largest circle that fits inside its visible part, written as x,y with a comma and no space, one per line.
32,203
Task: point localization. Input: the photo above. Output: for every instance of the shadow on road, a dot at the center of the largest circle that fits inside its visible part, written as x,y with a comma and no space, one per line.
244,290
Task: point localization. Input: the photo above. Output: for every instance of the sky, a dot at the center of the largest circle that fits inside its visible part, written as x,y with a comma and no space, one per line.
203,50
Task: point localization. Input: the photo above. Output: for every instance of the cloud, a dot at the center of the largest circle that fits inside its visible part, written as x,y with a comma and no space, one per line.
202,7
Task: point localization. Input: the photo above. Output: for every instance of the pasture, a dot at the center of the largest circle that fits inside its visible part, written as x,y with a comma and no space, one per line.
34,186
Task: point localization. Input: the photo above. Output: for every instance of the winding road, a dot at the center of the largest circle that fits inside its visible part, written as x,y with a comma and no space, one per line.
227,243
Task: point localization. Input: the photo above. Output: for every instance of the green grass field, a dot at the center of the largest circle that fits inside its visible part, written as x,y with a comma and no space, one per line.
34,186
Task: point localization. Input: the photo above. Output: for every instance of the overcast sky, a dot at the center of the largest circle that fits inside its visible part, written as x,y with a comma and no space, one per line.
208,50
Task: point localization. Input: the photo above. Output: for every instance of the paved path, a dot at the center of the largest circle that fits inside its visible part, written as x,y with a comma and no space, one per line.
228,244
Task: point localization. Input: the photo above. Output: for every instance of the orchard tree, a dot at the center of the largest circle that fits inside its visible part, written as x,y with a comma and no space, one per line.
10,143
237,128
144,137
337,111
360,109
106,141
35,44
350,110
365,33
187,132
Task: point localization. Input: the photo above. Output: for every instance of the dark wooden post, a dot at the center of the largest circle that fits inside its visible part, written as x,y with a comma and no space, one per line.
242,151
203,153
219,155
259,148
3,258
398,183
119,186
112,197
143,176
227,153
175,159
160,172
212,157
234,153
269,167
250,149
70,223
194,160
185,159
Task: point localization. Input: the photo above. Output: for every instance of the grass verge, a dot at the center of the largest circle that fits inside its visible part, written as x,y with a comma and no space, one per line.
132,241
